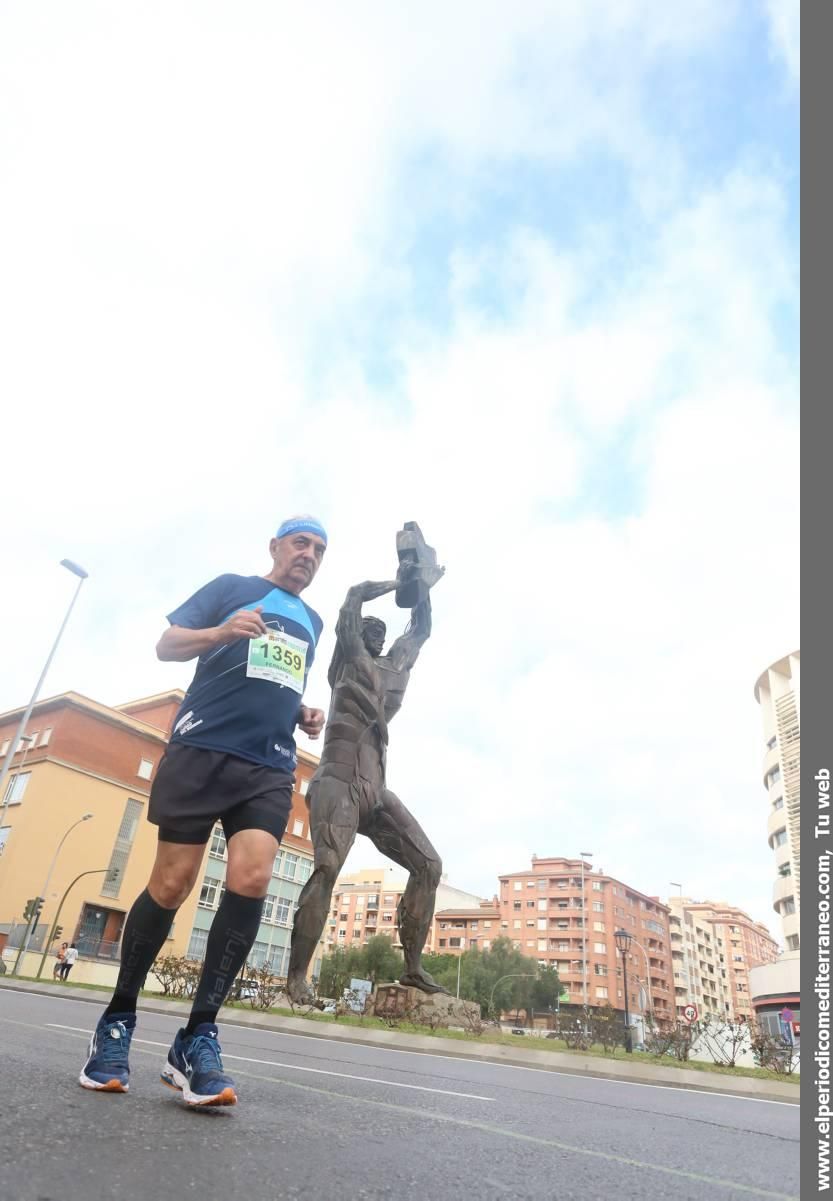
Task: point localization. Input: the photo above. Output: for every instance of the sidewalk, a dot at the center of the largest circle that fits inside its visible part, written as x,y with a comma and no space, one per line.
520,1056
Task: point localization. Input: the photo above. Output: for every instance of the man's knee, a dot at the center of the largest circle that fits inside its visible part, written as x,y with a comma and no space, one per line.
173,878
434,871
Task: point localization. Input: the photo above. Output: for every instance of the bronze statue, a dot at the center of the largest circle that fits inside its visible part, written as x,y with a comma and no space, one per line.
348,793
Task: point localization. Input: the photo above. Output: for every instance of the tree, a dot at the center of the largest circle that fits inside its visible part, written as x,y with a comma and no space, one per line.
382,962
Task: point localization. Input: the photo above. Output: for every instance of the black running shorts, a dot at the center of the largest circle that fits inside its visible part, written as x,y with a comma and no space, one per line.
194,788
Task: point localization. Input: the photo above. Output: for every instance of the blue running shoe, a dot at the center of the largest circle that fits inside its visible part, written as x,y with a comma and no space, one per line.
107,1069
195,1068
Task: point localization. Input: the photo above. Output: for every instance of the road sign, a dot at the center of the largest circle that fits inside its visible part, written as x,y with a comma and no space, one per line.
690,1013
787,1014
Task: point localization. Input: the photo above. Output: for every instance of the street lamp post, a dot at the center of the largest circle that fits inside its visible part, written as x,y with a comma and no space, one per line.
674,884
623,943
584,855
7,762
43,893
510,976
50,938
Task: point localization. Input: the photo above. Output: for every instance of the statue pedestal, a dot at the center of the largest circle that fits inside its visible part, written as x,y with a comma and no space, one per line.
424,1009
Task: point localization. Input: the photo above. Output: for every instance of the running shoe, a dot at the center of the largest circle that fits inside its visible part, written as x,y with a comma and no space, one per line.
107,1069
195,1068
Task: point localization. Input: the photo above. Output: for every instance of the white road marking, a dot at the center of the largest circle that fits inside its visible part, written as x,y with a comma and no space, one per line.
271,1063
493,1063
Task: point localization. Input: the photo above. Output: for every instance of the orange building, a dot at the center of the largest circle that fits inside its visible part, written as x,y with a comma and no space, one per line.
562,912
364,904
81,758
467,929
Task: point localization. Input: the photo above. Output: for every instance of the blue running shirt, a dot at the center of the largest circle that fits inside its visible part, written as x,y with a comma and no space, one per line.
245,696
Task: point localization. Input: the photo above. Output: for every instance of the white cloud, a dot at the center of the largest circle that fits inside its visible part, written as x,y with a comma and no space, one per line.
785,34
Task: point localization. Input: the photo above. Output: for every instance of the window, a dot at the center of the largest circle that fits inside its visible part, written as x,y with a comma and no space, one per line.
304,786
770,745
4,834
597,886
341,934
298,828
208,893
290,864
530,923
121,849
197,944
45,736
530,942
145,769
600,948
542,944
530,904
601,993
773,776
530,883
516,905
542,923
17,787
785,870
518,885
542,905
793,943
442,942
787,906
778,803
455,942
4,749
486,926
304,869
779,838
599,927
598,907
516,925
487,942
32,739
600,969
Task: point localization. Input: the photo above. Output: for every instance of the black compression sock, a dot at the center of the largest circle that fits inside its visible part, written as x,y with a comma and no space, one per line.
145,931
230,939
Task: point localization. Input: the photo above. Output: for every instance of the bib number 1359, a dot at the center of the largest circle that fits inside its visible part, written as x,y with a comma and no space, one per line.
279,658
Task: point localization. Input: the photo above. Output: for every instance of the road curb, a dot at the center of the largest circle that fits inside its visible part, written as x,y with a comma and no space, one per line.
523,1057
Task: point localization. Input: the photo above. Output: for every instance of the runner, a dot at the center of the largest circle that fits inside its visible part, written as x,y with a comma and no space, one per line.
231,758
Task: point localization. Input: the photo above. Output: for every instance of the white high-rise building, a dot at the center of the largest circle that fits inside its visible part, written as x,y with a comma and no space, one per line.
775,987
778,692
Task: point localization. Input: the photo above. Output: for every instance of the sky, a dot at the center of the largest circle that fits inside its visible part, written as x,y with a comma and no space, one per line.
526,274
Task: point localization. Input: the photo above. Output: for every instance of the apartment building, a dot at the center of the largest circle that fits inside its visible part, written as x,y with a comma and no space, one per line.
364,904
565,913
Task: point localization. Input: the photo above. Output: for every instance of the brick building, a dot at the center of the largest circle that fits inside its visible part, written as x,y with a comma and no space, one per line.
81,757
461,928
562,912
364,904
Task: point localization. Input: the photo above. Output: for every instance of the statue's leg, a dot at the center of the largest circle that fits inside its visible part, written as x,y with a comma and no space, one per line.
397,834
334,819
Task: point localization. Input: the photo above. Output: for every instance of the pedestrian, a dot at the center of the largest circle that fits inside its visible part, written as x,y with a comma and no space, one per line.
70,957
60,956
231,758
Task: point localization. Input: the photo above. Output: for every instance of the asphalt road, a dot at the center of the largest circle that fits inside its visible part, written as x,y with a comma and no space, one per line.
340,1122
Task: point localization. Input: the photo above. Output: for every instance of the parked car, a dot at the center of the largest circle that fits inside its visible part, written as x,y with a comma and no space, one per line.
330,1007
517,1030
243,990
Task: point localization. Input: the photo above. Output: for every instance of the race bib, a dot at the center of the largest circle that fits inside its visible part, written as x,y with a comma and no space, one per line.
280,658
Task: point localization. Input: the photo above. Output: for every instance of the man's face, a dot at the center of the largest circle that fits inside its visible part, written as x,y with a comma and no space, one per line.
296,560
373,633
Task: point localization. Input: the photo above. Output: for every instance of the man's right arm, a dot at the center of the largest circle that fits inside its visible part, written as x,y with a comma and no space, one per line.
179,644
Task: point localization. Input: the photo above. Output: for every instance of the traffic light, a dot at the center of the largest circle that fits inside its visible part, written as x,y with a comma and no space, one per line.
57,933
34,907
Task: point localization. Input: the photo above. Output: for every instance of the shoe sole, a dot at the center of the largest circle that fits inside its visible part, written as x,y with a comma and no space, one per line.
179,1083
111,1086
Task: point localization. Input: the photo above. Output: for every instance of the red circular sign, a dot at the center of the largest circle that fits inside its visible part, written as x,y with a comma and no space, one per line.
690,1013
